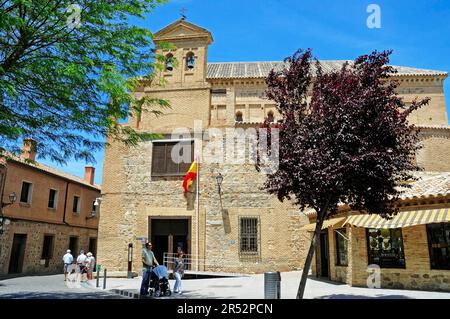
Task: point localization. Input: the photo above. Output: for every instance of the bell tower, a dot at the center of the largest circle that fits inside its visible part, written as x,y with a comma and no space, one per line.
183,73
187,57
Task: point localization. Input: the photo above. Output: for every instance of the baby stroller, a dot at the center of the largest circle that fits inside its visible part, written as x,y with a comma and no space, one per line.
159,282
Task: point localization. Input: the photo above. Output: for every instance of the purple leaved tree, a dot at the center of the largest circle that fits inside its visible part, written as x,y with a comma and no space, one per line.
349,143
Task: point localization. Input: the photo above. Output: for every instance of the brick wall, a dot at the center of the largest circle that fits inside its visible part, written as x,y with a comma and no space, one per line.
435,155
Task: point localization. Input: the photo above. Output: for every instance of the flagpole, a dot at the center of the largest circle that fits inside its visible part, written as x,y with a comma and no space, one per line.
197,210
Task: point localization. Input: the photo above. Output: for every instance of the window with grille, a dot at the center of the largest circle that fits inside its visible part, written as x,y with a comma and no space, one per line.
163,165
439,245
249,237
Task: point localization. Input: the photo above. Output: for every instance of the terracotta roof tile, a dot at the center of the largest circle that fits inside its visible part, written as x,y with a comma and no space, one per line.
429,184
239,70
56,172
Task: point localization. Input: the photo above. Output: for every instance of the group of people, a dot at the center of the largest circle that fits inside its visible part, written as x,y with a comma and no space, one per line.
149,261
85,263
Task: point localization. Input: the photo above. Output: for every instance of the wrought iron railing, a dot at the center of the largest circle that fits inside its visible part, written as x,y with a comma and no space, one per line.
204,265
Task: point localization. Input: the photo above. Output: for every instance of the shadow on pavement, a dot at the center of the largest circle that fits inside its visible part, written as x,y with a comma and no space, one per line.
59,295
188,294
325,280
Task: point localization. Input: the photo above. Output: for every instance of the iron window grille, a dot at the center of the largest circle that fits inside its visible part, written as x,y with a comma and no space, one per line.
439,245
249,238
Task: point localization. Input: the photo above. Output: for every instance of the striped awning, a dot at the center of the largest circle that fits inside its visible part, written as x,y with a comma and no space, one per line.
402,219
334,222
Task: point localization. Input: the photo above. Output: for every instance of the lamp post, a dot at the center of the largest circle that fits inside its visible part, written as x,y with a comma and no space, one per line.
97,202
12,200
94,213
224,212
219,180
130,261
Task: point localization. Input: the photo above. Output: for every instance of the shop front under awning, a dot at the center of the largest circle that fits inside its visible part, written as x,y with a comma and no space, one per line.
334,222
402,219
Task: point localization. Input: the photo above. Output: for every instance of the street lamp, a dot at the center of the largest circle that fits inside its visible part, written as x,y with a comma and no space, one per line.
219,180
12,199
94,213
3,221
98,200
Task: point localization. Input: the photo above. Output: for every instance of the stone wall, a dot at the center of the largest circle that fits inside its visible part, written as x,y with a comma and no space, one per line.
35,232
130,200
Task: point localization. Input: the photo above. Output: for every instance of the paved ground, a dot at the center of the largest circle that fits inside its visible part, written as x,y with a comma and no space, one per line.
250,287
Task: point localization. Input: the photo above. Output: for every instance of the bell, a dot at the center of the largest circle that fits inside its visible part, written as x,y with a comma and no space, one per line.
169,65
190,62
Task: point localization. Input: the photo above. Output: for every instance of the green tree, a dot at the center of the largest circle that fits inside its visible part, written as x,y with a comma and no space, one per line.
67,72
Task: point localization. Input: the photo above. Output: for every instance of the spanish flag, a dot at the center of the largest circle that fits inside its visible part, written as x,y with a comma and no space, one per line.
190,177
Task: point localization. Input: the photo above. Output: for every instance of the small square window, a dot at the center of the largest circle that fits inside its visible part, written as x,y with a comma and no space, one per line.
52,198
76,204
25,195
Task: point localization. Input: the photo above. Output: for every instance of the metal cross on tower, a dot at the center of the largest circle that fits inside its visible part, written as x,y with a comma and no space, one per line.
183,13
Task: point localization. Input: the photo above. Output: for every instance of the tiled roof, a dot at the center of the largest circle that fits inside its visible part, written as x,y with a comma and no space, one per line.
57,172
439,127
430,184
240,70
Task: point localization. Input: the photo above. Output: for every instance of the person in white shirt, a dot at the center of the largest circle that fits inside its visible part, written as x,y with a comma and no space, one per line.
68,260
91,265
81,262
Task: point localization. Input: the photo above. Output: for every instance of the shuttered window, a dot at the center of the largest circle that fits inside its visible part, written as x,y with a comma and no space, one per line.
162,163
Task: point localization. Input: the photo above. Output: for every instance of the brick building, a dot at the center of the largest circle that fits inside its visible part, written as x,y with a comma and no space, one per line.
412,250
242,229
53,212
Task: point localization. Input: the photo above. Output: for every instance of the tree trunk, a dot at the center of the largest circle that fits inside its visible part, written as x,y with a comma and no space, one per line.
320,217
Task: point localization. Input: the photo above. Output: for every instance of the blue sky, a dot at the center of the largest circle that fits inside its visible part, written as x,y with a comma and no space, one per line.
267,30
